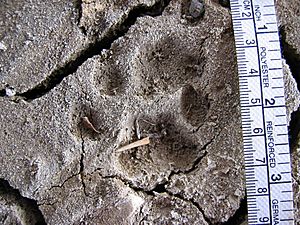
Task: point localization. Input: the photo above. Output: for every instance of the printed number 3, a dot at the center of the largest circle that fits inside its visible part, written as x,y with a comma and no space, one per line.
250,42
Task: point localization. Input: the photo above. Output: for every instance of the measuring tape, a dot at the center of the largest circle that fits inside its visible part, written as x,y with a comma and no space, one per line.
263,110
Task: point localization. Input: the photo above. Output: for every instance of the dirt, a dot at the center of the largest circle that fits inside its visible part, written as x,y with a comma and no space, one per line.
81,79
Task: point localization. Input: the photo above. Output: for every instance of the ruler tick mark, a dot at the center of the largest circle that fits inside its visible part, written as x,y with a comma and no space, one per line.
280,115
283,163
268,5
281,182
283,153
281,144
267,32
275,68
280,125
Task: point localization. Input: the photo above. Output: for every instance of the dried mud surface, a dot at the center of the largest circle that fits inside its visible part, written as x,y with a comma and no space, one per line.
82,78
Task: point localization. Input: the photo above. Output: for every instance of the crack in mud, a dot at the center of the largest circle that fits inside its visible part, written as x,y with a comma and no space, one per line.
63,183
194,204
194,167
27,209
92,49
160,188
80,172
197,161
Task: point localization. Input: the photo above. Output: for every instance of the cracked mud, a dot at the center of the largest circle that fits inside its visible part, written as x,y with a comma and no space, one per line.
80,79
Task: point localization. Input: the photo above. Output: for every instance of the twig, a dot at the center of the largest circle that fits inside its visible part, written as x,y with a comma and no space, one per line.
137,128
135,144
89,125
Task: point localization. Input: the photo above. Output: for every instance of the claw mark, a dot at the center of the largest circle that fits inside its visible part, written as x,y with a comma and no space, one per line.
89,125
144,141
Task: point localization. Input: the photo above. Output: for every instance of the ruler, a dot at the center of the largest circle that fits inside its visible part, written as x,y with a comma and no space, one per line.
263,110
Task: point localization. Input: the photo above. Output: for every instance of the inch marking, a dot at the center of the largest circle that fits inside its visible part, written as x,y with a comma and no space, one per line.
267,32
282,182
275,106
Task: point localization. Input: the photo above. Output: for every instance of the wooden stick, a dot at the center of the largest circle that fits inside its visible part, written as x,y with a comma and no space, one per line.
135,144
89,125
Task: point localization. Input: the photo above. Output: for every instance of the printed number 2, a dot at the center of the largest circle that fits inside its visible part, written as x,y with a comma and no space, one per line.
270,101
246,14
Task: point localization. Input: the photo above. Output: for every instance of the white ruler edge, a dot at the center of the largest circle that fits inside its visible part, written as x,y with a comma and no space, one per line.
263,109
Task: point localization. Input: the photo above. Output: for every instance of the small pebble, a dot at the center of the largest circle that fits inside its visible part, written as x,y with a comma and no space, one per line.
10,91
196,8
2,46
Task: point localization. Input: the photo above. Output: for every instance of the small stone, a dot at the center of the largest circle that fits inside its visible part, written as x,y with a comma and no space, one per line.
2,46
196,8
10,91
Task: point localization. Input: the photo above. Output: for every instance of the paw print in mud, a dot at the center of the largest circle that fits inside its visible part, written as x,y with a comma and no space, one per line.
155,83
